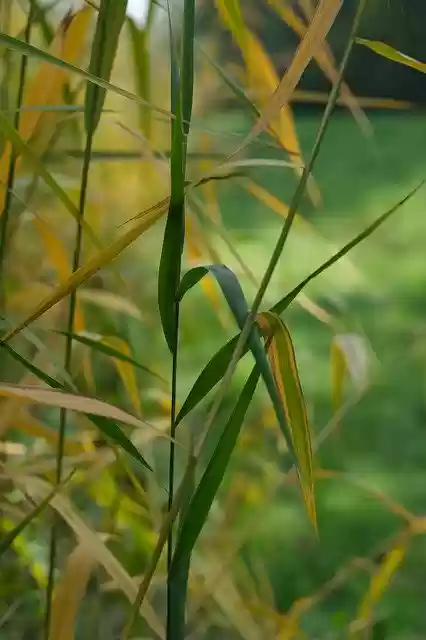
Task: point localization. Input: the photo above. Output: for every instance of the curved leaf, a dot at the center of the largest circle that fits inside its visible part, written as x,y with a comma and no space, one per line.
283,363
235,298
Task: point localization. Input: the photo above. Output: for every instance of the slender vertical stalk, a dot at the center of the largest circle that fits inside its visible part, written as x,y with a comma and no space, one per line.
5,215
78,244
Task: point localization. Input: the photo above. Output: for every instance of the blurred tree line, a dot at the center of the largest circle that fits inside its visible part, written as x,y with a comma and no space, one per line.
396,22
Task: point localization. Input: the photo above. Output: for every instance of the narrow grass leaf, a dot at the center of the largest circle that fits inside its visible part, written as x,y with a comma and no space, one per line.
23,149
87,270
103,345
282,304
70,592
25,49
215,369
209,377
58,258
390,53
108,427
284,367
73,402
111,16
9,538
381,580
163,535
210,482
312,42
35,486
125,370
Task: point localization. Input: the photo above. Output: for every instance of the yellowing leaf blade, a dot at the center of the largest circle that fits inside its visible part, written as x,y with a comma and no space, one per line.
69,593
79,276
283,363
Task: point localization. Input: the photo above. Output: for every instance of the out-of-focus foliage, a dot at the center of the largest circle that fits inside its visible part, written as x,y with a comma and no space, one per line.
349,362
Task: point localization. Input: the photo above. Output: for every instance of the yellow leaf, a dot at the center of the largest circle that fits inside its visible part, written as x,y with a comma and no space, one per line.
38,488
74,402
58,258
349,355
392,54
264,79
87,270
70,592
380,582
46,87
319,27
283,363
324,58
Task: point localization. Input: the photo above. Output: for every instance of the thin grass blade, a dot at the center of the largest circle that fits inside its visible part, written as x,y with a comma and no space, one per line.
386,51
111,16
38,54
8,539
100,343
84,272
210,482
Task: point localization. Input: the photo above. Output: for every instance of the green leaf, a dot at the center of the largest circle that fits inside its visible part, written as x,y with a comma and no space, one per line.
212,373
95,342
210,482
282,304
234,296
107,426
215,369
178,578
10,537
386,51
29,50
111,16
283,363
23,149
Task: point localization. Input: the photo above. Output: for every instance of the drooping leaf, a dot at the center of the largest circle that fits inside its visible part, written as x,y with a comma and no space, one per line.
73,402
237,303
111,16
210,482
284,367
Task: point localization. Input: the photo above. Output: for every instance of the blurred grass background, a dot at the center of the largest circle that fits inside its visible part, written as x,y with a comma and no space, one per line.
258,571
